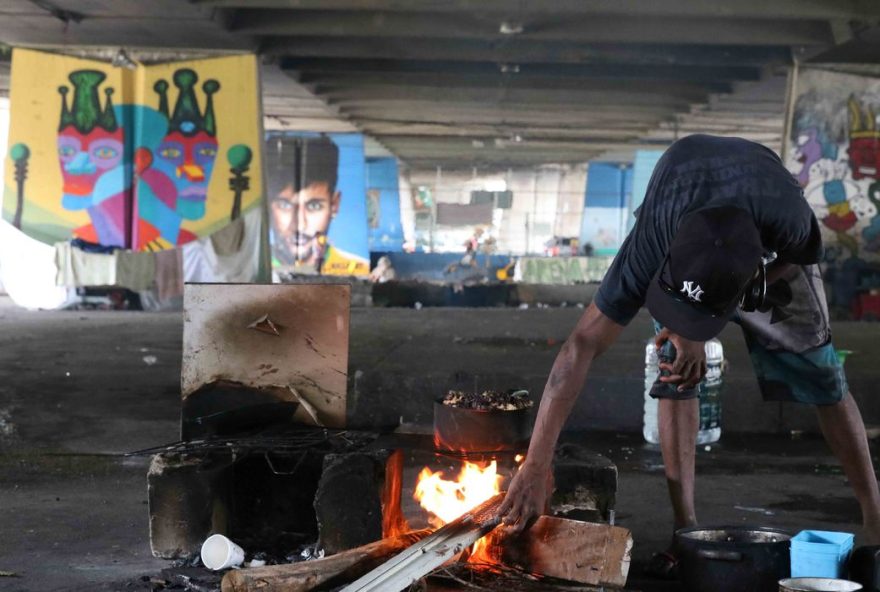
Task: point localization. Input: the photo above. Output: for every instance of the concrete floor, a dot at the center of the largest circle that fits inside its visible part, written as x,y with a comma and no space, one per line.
79,389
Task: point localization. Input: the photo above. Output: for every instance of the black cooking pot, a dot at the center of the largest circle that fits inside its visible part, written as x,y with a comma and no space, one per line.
733,558
477,430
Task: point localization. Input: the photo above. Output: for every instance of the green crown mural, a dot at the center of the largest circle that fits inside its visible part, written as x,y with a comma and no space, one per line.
186,117
85,113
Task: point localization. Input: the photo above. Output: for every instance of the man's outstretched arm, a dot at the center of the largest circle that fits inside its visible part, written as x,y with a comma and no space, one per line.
529,489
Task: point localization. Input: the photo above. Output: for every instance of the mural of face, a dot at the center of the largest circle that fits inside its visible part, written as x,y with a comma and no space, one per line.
187,152
84,158
807,151
864,140
864,157
189,162
90,155
300,222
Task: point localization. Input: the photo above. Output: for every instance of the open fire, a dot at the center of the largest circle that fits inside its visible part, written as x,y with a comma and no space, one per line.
447,499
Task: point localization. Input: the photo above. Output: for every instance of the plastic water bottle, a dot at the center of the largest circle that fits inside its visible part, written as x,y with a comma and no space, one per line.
710,394
709,389
650,429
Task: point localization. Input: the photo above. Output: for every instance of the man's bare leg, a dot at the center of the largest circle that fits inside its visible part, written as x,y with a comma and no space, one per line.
679,422
844,431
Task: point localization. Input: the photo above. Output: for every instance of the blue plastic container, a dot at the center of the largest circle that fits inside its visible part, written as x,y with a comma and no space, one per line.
820,554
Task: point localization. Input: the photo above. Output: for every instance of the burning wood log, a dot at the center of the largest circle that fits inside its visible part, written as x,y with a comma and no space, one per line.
301,577
594,554
431,552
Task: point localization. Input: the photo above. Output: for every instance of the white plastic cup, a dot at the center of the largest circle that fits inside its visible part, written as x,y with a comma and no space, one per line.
218,553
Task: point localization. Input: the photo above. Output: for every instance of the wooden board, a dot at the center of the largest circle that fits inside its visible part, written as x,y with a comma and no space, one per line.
309,353
595,554
307,575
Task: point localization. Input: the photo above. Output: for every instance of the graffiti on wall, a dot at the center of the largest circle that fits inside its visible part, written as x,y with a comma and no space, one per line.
562,270
317,203
834,152
130,158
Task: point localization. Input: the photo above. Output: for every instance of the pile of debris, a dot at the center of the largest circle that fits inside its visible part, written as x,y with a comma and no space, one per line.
489,400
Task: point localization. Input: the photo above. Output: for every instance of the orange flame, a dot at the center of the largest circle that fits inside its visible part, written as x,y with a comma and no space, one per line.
446,499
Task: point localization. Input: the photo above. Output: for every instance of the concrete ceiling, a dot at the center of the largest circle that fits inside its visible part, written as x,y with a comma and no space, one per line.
493,83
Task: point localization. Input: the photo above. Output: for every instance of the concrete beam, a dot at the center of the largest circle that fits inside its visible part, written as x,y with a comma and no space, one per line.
757,9
468,131
596,116
636,94
864,49
110,8
439,145
427,126
380,69
594,28
525,51
307,124
326,84
156,31
540,112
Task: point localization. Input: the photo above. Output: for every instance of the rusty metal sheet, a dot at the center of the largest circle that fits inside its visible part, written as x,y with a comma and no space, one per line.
270,338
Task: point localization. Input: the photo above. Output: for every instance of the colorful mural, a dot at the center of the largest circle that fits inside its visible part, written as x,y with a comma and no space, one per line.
317,203
134,158
383,205
834,152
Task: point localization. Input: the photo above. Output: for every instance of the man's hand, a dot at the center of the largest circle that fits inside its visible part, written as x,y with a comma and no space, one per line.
689,366
526,497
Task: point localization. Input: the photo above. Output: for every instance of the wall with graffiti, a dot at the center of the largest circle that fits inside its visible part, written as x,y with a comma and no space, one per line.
146,159
562,270
383,205
317,203
834,152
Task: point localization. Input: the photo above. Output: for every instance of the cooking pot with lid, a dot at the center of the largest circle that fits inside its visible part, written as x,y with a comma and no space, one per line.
733,558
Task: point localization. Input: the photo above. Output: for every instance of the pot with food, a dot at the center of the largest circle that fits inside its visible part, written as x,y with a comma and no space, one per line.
490,421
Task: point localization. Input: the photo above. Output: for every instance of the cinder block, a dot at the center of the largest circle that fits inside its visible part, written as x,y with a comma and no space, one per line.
188,500
349,500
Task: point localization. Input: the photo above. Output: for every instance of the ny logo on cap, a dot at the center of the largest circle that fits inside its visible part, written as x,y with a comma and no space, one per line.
694,292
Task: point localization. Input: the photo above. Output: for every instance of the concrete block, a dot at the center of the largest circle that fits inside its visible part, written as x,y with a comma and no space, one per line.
585,484
349,500
188,500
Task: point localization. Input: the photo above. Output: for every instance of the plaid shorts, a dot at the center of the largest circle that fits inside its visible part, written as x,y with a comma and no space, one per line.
789,345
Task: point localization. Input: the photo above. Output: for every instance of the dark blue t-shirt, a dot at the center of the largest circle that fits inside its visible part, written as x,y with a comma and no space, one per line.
700,172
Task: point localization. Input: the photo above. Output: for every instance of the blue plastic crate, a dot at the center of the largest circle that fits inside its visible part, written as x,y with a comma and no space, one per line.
820,553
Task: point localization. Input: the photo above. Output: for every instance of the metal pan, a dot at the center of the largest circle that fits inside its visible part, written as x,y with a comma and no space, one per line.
474,430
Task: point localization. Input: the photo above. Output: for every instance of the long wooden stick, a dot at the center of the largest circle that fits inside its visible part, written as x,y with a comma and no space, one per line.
431,552
302,577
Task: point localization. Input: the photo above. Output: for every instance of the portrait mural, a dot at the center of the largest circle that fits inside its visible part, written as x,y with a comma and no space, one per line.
145,159
834,152
317,203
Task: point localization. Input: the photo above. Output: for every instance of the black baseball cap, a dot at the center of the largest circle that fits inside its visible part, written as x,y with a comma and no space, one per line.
714,254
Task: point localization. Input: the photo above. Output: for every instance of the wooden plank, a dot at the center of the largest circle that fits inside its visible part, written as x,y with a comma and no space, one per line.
301,577
594,554
431,552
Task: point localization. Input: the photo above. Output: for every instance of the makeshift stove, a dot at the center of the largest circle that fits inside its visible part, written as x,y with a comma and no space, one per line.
263,366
